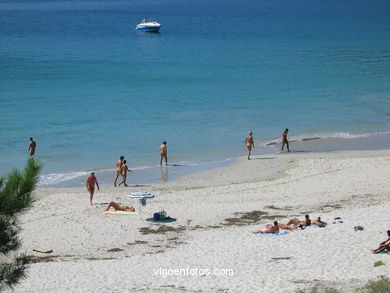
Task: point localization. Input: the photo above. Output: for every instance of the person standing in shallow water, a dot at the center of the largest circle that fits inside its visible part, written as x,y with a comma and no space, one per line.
31,147
164,153
119,164
249,144
90,183
285,140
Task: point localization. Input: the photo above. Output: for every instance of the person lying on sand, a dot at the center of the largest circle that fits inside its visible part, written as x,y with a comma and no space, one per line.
319,222
385,245
304,223
269,229
117,207
290,227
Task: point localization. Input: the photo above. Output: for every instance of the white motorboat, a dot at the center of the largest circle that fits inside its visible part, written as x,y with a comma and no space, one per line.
150,26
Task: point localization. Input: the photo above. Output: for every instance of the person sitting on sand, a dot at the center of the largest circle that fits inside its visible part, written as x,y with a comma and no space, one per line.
297,222
385,245
269,229
319,222
117,207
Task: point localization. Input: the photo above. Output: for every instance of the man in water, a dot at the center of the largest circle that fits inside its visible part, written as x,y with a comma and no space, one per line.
90,183
118,168
385,245
285,140
164,153
269,229
124,170
31,147
249,144
117,207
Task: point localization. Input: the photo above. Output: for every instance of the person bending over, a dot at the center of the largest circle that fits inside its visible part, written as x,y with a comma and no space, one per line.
269,229
385,245
117,207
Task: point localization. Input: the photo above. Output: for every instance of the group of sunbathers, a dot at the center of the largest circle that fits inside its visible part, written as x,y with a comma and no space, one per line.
293,224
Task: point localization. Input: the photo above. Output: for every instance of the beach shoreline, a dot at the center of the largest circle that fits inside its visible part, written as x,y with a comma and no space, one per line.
215,211
145,175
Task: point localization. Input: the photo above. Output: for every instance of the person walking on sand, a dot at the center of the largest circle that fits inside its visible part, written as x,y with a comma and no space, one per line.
90,183
124,170
31,147
118,168
285,140
249,144
164,153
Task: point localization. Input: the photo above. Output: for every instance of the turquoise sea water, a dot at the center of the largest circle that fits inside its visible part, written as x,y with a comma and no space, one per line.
77,77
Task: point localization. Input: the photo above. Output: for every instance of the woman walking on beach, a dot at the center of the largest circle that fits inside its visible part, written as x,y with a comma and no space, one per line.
119,168
124,170
249,144
285,140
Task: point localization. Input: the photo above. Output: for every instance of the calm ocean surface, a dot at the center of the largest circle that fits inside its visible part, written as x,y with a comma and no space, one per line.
77,77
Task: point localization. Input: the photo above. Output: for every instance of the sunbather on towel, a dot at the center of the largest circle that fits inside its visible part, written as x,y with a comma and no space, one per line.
290,227
117,207
304,223
269,229
319,222
385,245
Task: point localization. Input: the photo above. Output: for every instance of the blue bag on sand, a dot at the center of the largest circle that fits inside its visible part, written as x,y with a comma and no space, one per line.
156,216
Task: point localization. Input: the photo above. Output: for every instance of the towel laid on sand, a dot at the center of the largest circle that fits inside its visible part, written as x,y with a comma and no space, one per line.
166,220
273,234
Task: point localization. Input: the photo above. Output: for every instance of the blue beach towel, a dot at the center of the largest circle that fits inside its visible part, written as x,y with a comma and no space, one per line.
273,234
384,252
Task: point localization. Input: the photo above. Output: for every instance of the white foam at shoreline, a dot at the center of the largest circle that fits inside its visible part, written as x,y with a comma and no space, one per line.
263,143
56,178
261,146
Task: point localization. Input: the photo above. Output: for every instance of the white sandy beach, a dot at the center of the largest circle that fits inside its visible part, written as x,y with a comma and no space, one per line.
215,211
